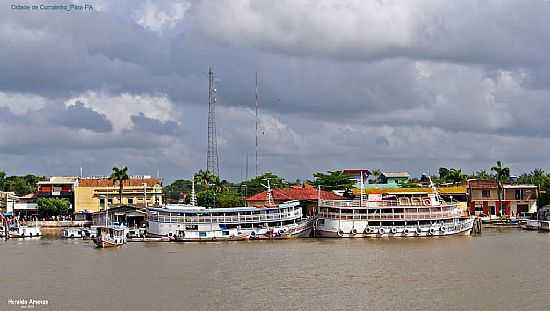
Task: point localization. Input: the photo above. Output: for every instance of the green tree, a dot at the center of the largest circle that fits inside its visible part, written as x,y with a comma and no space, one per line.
226,198
254,185
53,206
21,185
502,174
542,180
2,177
333,180
206,179
483,175
120,175
455,176
443,172
176,188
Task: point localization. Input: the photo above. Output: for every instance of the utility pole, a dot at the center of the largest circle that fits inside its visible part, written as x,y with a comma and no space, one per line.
212,155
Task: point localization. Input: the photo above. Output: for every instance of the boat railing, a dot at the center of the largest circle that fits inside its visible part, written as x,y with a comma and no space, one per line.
387,216
225,218
343,204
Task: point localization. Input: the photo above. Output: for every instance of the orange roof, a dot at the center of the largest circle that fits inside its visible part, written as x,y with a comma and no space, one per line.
105,182
295,193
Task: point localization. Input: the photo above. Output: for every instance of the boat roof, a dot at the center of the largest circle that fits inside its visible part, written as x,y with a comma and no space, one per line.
190,208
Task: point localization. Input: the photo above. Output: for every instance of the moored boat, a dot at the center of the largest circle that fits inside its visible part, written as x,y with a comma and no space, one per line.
110,236
213,236
376,216
21,231
73,232
530,224
193,223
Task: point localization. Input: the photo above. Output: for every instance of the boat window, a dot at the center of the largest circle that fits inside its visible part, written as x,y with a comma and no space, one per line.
202,234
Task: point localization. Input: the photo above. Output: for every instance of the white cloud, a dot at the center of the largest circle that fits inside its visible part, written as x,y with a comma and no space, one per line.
159,16
22,103
119,108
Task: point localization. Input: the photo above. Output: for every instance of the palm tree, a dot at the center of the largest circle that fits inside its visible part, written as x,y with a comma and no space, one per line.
482,175
206,179
120,175
376,173
455,175
501,174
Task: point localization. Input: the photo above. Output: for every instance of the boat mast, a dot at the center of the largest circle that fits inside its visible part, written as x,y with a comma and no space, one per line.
193,197
269,194
362,188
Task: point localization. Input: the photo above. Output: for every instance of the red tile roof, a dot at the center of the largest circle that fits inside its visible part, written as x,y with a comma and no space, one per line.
105,182
294,193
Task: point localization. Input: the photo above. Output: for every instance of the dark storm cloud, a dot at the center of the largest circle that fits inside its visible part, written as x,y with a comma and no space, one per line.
79,117
391,84
146,124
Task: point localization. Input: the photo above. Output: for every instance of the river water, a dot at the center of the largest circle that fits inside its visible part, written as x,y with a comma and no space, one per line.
499,270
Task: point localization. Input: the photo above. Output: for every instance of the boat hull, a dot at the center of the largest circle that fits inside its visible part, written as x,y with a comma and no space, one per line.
25,232
359,230
102,243
212,239
302,229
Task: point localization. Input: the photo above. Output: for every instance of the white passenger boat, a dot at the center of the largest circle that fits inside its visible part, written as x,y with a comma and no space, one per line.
193,223
25,232
529,224
73,232
376,216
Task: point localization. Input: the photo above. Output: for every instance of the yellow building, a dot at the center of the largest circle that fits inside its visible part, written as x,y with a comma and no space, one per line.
93,194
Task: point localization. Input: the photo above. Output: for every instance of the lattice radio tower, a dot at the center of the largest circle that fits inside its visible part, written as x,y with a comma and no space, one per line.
212,156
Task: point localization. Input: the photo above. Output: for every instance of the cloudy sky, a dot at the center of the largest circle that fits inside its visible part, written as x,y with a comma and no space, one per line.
395,85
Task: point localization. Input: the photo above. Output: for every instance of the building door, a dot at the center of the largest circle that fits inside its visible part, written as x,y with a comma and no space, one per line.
523,208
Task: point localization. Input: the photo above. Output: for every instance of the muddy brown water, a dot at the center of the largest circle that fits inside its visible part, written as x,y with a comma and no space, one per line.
499,270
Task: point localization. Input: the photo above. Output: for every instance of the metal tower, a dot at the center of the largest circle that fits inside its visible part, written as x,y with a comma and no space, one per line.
212,155
257,121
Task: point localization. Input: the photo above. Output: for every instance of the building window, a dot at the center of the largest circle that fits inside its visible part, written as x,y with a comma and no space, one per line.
518,194
110,201
130,201
485,193
101,203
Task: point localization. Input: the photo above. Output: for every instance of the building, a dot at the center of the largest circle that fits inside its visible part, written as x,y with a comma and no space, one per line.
62,187
385,180
11,204
355,174
306,194
95,193
483,198
393,178
131,216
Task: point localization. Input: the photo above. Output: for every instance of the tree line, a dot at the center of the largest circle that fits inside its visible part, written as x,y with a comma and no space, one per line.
211,191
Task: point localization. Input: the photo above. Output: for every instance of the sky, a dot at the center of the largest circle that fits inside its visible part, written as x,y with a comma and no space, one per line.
391,85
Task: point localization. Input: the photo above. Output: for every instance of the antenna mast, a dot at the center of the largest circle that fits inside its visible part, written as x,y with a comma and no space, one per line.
257,124
212,155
